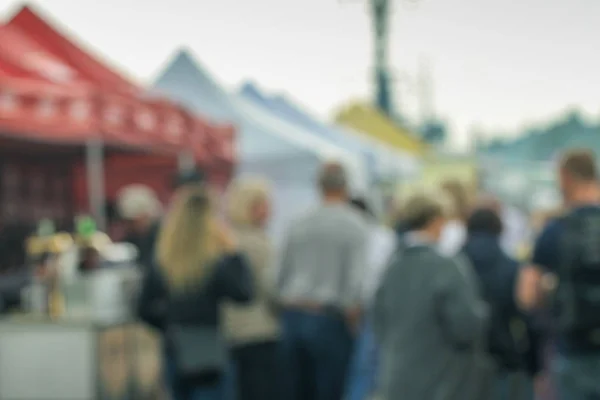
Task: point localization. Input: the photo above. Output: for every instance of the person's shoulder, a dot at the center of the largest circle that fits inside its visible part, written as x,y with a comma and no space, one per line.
304,218
547,244
351,216
307,216
584,211
427,254
552,229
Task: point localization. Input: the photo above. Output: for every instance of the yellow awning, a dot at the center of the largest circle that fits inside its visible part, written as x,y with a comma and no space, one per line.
437,168
370,121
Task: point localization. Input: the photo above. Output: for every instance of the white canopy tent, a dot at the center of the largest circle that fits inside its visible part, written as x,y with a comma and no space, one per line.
284,154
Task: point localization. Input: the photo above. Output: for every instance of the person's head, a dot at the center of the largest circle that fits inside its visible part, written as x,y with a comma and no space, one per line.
488,201
361,205
249,202
333,182
425,212
139,206
459,196
578,177
484,221
189,239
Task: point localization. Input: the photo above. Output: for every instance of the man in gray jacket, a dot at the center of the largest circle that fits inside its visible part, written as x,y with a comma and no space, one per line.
429,318
319,287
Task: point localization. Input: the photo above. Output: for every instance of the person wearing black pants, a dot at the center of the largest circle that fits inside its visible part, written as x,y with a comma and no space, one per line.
252,329
256,371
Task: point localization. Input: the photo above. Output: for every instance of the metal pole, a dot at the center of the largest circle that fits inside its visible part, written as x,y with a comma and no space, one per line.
381,11
186,161
94,159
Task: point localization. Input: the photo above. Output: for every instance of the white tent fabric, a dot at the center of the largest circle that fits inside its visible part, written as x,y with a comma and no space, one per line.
286,155
253,114
382,161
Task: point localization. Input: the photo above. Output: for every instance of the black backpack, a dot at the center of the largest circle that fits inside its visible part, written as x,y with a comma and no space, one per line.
577,297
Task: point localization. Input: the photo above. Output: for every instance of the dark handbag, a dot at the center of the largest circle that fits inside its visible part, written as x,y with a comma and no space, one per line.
198,351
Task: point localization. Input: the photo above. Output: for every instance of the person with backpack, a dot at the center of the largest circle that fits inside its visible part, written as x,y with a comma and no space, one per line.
511,341
566,276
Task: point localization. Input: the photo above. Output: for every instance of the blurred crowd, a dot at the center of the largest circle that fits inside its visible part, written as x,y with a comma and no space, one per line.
446,304
463,297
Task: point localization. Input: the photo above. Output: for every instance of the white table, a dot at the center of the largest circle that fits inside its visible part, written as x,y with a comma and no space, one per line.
41,359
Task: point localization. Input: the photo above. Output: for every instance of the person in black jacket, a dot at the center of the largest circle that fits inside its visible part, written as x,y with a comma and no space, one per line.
197,268
140,208
512,341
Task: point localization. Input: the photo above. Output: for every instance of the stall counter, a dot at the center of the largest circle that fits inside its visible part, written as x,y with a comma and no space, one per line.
78,359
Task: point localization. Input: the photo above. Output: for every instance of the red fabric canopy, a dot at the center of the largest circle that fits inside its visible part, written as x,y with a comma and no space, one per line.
87,98
30,103
54,42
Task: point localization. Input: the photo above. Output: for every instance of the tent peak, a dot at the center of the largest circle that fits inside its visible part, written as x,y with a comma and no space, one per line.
249,86
250,90
58,39
185,53
184,57
18,9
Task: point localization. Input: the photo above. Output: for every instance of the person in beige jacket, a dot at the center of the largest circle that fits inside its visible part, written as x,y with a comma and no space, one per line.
253,329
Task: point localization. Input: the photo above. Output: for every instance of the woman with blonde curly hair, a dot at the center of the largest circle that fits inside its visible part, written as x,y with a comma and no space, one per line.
252,329
198,267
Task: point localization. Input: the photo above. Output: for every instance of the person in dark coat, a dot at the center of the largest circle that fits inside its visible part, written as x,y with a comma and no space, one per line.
429,319
512,341
197,268
139,207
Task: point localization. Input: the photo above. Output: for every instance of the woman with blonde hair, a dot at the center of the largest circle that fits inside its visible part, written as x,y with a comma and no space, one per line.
197,268
252,329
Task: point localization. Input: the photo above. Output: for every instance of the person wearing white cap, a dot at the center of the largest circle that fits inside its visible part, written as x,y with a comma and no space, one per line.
139,206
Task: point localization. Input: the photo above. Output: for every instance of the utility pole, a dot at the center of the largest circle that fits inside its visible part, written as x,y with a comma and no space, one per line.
425,93
380,10
380,13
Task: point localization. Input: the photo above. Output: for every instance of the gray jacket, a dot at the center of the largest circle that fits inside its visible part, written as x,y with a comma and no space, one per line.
430,322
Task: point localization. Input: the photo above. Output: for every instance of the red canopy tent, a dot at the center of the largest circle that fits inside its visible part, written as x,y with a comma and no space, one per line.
212,142
35,115
51,91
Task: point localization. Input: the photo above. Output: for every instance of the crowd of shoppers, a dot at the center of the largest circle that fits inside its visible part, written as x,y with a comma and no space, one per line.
440,308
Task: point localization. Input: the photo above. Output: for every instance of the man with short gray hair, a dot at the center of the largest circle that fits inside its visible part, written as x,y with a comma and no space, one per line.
319,286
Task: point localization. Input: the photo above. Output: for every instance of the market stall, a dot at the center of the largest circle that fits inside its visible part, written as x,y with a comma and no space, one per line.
55,94
69,129
75,332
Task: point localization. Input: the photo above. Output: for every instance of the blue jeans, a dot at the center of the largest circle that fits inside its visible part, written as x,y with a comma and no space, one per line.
178,391
363,369
314,354
577,376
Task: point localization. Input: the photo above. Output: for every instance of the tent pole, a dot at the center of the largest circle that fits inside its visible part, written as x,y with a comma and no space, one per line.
94,158
186,161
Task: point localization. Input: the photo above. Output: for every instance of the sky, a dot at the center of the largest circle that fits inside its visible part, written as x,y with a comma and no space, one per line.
495,66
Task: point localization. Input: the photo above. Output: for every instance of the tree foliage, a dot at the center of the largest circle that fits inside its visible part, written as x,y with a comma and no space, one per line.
546,140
